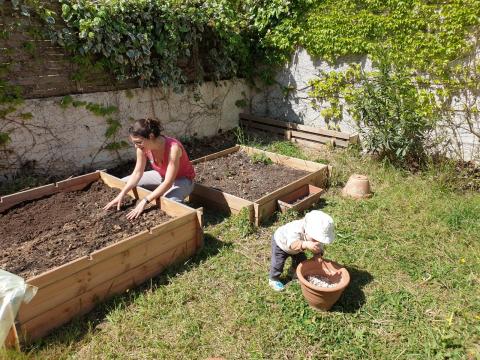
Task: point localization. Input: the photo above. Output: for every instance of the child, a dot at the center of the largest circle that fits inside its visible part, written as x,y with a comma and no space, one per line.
291,239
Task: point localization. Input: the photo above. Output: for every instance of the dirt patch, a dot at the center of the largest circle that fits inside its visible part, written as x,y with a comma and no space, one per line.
239,175
196,148
43,234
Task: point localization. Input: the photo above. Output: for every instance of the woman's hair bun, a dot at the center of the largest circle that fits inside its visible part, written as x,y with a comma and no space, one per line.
145,127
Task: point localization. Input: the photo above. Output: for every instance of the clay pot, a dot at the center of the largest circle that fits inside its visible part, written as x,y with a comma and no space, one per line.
321,298
357,187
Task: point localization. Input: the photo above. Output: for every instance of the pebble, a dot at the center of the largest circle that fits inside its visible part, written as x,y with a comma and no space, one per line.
320,281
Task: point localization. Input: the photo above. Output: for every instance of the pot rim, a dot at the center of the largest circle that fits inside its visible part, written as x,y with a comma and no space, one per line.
308,284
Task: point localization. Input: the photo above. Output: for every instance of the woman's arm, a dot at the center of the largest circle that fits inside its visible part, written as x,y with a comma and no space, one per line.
132,180
137,172
170,175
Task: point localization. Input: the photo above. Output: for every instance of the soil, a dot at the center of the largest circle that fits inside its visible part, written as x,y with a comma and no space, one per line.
49,232
238,175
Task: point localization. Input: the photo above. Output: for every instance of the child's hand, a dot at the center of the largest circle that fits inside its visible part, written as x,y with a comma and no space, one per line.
314,247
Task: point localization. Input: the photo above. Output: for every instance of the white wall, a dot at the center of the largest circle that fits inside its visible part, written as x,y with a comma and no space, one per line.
295,107
65,141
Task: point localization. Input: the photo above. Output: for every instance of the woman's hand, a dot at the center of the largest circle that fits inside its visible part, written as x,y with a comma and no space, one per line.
135,213
117,201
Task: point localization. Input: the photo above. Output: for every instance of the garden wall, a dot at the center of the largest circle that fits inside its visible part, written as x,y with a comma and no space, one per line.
288,99
66,135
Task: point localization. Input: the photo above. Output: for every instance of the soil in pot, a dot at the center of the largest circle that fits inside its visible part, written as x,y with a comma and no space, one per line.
49,232
238,174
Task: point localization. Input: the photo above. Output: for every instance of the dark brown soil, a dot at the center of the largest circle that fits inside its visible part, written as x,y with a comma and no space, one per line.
238,175
43,234
208,145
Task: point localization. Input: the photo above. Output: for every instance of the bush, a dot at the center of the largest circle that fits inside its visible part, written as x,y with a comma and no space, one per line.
394,117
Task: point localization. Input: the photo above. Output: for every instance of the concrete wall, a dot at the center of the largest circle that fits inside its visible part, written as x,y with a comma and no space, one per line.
65,141
288,100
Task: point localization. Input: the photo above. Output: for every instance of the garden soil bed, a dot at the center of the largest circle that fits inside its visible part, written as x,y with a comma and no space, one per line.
49,232
238,175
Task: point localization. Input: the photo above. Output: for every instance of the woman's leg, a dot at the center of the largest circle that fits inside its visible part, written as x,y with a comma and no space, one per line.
150,180
182,187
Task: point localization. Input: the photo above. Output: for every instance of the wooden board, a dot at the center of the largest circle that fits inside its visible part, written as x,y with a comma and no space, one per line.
216,155
220,200
310,194
319,138
293,131
289,161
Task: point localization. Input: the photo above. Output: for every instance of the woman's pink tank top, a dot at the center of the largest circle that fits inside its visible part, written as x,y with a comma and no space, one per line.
185,167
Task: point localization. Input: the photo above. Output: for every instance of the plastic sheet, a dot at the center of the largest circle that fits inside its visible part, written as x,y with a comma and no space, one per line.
13,291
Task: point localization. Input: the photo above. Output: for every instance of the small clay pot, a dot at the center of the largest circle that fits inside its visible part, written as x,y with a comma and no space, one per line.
357,187
322,298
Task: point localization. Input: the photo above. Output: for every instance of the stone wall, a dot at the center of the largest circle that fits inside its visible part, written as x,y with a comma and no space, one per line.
52,139
288,100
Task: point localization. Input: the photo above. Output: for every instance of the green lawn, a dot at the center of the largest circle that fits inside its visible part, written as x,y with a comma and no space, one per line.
413,252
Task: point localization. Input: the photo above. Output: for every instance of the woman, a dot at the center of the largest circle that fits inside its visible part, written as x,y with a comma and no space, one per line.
172,175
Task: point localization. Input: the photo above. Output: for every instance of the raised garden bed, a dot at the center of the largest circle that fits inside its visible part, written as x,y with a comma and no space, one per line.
230,186
300,199
105,262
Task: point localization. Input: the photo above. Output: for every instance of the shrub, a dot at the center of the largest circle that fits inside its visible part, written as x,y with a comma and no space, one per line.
394,117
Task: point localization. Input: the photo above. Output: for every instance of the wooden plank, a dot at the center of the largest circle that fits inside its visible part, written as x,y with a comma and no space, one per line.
216,155
310,193
78,182
212,195
324,132
199,241
257,126
117,183
12,342
354,139
8,201
43,324
310,144
83,281
295,163
315,178
319,138
265,120
294,126
174,208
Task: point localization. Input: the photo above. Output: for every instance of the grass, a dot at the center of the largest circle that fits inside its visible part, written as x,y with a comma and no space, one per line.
413,252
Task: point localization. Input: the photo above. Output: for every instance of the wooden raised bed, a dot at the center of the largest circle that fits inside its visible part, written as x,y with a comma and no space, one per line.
308,194
74,288
308,136
262,208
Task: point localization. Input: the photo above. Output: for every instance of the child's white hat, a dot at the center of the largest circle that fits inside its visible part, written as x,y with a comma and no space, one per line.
319,226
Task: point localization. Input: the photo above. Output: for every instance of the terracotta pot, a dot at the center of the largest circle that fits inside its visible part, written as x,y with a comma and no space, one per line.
358,187
321,298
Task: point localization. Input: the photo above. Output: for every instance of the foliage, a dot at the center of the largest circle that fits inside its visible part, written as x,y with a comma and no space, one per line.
394,119
431,42
261,158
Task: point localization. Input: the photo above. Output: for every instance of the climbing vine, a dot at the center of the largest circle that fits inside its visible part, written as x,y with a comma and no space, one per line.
172,42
